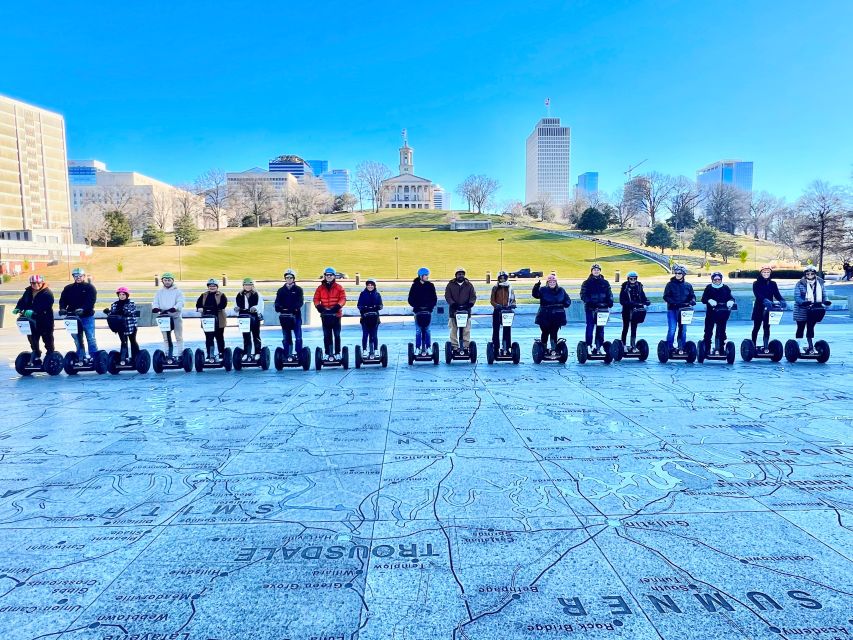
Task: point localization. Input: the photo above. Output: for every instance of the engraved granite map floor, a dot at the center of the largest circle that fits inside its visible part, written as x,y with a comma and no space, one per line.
632,501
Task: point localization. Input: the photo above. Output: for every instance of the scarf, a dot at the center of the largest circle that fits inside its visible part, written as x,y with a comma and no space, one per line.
814,292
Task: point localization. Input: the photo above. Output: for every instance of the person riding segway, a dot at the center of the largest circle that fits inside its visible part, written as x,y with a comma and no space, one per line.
369,305
719,304
502,299
35,320
680,300
422,299
767,311
121,319
329,300
634,302
810,304
77,304
553,302
249,307
168,304
597,298
211,305
461,297
288,304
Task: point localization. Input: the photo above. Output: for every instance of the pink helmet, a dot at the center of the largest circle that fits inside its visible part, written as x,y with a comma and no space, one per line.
36,279
123,290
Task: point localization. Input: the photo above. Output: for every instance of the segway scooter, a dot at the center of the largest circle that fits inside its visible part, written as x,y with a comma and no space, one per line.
462,352
820,352
772,349
638,350
508,351
222,360
71,363
423,317
689,353
28,363
602,350
371,357
243,359
161,361
120,360
288,358
329,360
721,352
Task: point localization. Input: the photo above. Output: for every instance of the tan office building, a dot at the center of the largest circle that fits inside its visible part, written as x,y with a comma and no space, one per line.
33,172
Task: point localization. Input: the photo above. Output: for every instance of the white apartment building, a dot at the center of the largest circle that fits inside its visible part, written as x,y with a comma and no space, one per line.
548,148
441,198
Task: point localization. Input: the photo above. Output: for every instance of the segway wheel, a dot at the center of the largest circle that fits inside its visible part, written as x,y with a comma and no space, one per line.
187,360
516,353
143,361
411,354
265,358
776,350
490,353
563,352
582,352
68,363
643,348
227,359
691,351
278,358
435,353
792,351
472,351
822,348
318,358
53,364
305,358
617,350
102,362
538,352
357,356
345,357
448,353
383,356
663,351
112,362
157,361
199,360
747,350
700,351
608,352
730,352
21,363
238,358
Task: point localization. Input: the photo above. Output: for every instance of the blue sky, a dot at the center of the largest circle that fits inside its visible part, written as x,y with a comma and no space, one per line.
176,88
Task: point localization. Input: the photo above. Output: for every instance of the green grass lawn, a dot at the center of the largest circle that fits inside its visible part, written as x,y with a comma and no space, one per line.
263,254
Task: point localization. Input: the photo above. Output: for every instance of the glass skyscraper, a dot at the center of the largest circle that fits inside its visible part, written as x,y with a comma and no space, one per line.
587,184
319,167
731,172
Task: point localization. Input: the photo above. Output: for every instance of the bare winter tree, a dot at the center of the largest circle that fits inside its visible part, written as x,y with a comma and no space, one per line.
257,200
783,230
212,184
160,210
682,203
306,201
571,211
121,198
762,207
359,190
648,194
91,225
465,189
725,207
479,191
371,174
623,210
824,214
542,208
186,202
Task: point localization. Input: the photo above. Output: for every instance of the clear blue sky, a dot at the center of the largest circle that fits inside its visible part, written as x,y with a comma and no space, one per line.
175,90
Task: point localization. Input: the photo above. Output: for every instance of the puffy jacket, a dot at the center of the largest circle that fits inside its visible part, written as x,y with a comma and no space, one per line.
502,296
595,292
720,295
460,295
79,295
330,296
801,305
41,304
678,294
213,304
369,301
764,289
552,305
633,295
171,298
290,299
245,301
422,295
127,310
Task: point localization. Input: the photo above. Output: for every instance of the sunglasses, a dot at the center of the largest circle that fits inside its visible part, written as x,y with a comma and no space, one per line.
289,278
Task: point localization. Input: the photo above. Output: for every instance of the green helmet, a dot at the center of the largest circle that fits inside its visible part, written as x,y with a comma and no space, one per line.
168,276
78,271
248,281
213,281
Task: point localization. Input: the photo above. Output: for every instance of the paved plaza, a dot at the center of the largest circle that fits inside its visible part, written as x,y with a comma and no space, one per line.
635,501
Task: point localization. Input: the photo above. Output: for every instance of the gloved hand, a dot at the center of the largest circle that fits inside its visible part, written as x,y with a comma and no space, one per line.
16,311
730,304
783,304
712,303
335,308
199,310
107,310
828,303
320,308
767,303
79,312
453,308
236,309
172,310
28,313
63,312
155,310
253,309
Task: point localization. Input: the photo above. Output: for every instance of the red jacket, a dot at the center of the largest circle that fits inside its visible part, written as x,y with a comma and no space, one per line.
329,297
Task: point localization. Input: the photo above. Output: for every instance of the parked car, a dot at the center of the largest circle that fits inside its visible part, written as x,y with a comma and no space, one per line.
525,273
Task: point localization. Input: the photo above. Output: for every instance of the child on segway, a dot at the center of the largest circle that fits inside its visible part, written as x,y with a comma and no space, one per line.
288,304
597,297
329,300
553,302
502,299
679,297
369,305
810,303
35,307
634,301
767,299
719,301
212,304
121,319
422,298
249,302
460,296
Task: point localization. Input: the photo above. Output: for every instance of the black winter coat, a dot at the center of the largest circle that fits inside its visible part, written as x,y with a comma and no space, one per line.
721,296
596,292
633,295
41,305
764,289
677,294
79,295
552,305
422,295
290,299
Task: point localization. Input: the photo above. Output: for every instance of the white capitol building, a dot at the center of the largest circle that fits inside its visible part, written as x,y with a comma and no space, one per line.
407,191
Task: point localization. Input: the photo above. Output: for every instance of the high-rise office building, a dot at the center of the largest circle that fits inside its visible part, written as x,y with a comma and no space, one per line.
294,165
319,167
33,172
337,181
731,172
587,184
548,148
441,198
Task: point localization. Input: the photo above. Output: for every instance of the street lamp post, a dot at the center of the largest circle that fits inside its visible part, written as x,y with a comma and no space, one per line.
178,240
397,251
289,252
501,243
68,250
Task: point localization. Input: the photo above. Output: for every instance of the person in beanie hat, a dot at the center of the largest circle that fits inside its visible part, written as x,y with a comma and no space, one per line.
809,292
213,302
36,304
422,297
121,317
553,302
595,293
289,299
329,300
369,302
503,297
716,294
766,293
250,301
631,296
460,293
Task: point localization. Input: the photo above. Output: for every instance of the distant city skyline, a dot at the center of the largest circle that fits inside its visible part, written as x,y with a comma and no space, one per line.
230,103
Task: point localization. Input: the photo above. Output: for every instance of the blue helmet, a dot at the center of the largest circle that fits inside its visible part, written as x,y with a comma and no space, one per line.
329,270
633,274
423,271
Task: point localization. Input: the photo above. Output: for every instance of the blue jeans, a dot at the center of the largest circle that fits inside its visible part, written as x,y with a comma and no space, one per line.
88,325
672,327
590,326
423,339
289,337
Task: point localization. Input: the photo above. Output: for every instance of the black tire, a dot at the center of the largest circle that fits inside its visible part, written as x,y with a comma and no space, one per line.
582,352
305,358
157,361
823,350
345,357
730,352
472,351
318,358
563,352
663,352
691,351
490,353
113,359
448,353
101,362
187,360
700,351
411,354
792,351
383,356
357,356
278,358
776,350
238,359
516,353
21,363
53,364
68,363
643,348
537,352
747,350
608,353
199,360
227,359
265,358
617,350
143,361
436,353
